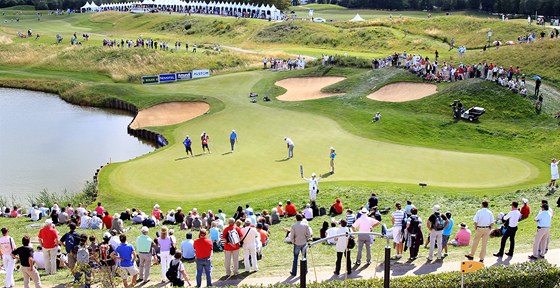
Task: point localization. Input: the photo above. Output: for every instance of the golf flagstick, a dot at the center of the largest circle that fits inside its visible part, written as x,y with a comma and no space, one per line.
301,170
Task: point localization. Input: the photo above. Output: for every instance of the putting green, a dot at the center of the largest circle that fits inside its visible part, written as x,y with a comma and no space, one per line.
259,160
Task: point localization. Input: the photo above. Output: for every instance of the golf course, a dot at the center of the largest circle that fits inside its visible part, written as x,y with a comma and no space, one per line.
503,156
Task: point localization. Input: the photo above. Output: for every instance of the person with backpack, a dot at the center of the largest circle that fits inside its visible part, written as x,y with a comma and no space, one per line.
436,224
203,253
70,242
414,233
176,272
7,246
250,238
231,237
83,266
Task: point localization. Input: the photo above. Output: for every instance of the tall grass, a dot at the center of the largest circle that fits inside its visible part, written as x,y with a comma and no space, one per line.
86,196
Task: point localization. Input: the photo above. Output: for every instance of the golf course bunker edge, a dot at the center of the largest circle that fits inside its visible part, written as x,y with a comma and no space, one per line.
307,88
403,91
169,113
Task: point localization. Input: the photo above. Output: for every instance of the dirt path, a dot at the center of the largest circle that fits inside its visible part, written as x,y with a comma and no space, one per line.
169,114
403,91
306,88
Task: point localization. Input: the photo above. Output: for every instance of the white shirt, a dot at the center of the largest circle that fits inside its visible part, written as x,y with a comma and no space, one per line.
483,217
554,171
85,222
307,213
251,238
39,258
81,211
331,232
313,183
289,142
513,216
342,242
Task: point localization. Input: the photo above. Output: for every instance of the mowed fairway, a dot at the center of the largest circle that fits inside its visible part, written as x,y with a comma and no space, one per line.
259,160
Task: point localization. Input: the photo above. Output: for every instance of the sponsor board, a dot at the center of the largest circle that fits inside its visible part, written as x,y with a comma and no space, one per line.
163,78
200,73
150,79
183,76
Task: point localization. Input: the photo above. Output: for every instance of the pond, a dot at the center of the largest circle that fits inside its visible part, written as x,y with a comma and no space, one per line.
50,144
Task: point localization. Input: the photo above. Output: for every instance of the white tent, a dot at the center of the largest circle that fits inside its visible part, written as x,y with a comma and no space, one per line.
357,18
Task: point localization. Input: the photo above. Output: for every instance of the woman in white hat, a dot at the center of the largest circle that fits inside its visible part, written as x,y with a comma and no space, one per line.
313,186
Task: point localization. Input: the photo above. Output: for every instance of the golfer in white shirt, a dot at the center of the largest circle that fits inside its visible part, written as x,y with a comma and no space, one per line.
313,186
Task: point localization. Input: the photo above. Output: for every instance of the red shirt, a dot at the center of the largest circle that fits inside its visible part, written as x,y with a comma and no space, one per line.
229,246
49,236
202,248
108,221
291,209
280,210
337,207
525,211
264,236
99,210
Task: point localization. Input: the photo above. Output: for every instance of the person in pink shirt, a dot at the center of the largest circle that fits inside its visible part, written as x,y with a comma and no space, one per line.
364,224
157,213
48,237
99,209
7,245
463,236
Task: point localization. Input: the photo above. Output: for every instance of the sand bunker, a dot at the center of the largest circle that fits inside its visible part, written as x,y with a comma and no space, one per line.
169,114
403,91
307,88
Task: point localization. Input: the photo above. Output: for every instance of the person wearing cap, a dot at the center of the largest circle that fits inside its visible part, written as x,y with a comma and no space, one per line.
203,252
231,250
290,145
436,232
157,213
336,208
364,224
25,255
331,156
7,246
483,221
96,222
525,210
307,212
544,220
127,256
144,245
463,236
280,209
188,143
250,238
179,216
48,237
512,219
291,209
204,139
313,185
232,139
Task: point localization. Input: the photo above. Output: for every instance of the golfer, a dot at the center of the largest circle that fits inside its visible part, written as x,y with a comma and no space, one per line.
332,155
232,139
290,145
204,138
188,142
376,118
553,174
313,186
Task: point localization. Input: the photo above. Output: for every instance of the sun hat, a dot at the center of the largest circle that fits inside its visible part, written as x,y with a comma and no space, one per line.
280,203
179,208
332,148
436,208
525,200
106,235
156,206
248,220
364,211
463,225
145,229
313,174
48,221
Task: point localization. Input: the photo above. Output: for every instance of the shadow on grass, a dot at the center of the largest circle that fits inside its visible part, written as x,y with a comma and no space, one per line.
326,175
223,154
181,158
283,160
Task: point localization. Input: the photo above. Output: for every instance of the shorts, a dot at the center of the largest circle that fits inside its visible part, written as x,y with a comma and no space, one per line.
128,271
188,149
397,235
444,240
204,146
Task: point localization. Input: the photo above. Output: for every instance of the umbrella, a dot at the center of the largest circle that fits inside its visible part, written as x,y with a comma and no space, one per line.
536,77
510,43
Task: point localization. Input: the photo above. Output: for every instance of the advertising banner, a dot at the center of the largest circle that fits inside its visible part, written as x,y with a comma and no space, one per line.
164,78
200,73
184,75
150,79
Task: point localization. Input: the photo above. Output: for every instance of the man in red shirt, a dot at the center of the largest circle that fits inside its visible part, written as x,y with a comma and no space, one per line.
290,209
107,220
48,237
336,208
231,249
203,253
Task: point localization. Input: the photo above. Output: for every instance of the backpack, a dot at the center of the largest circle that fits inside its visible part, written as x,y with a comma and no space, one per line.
70,242
439,223
149,222
233,237
172,273
413,227
83,255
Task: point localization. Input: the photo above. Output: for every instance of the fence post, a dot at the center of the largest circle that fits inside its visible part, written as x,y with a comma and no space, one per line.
303,272
387,269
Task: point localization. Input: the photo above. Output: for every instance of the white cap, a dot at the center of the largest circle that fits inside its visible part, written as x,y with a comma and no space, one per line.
145,229
313,174
48,221
156,206
525,200
179,208
280,203
248,220
364,211
194,209
436,208
332,148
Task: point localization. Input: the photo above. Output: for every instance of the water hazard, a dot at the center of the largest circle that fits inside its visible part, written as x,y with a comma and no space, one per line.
48,143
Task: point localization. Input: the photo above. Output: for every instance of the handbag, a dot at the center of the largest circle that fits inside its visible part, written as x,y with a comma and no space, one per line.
241,242
173,249
351,242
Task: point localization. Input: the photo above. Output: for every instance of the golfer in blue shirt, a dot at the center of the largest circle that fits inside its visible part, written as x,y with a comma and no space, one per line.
232,139
188,142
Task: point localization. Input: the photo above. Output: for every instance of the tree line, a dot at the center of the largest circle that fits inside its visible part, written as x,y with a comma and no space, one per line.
526,7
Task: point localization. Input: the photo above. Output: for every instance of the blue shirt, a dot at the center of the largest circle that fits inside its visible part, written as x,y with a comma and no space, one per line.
125,252
187,249
544,219
214,234
447,230
232,136
187,142
333,154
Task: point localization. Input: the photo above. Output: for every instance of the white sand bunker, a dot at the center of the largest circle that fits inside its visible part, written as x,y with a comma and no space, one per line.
307,88
169,114
403,91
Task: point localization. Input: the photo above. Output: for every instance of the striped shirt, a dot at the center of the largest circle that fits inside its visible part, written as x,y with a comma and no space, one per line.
398,216
350,219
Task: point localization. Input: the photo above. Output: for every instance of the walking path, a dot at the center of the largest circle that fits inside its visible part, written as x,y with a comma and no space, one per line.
419,267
